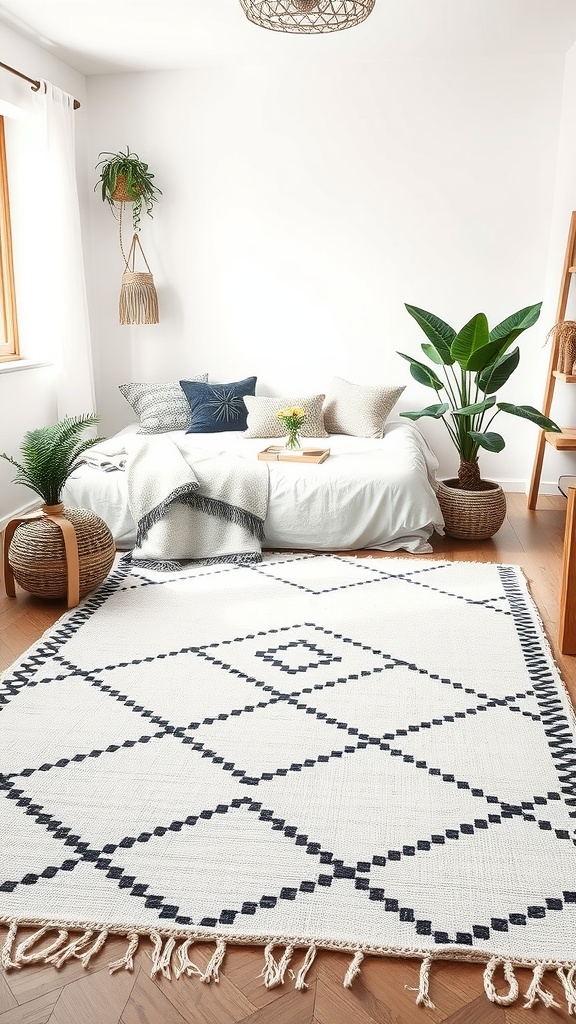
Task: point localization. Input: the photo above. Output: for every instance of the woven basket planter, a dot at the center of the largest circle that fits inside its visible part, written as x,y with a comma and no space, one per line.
37,555
121,193
472,515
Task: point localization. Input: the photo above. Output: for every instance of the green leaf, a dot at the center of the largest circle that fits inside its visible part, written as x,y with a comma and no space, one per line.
474,335
423,374
528,412
432,353
436,330
493,377
472,410
491,441
508,330
485,355
435,411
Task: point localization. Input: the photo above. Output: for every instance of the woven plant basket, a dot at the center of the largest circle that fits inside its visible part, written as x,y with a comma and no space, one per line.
37,557
121,193
472,515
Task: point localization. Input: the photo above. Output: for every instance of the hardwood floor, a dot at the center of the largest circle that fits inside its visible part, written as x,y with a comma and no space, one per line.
43,995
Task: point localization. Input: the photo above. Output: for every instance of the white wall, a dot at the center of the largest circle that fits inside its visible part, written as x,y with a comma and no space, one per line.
564,402
303,207
27,397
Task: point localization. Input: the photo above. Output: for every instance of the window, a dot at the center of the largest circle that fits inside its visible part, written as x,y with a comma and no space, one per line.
8,324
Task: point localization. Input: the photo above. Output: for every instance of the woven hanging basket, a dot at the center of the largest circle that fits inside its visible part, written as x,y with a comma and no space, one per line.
121,193
37,555
138,298
471,515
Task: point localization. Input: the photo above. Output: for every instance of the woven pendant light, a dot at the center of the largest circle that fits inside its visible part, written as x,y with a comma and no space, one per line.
307,16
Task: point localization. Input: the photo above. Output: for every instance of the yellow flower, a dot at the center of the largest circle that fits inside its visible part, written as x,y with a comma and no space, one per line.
292,410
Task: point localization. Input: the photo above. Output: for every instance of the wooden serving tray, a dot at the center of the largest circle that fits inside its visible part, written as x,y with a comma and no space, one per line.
276,453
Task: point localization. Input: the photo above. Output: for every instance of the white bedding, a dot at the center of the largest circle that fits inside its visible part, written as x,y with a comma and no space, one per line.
370,493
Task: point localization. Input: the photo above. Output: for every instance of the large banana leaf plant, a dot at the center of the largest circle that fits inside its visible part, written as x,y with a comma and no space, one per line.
475,363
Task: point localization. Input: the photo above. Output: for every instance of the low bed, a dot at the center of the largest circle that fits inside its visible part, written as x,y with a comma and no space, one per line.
370,493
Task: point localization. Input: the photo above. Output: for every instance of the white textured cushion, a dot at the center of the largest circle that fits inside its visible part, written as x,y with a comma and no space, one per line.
357,409
263,421
159,407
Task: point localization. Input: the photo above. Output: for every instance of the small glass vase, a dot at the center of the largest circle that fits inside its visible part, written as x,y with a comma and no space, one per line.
293,441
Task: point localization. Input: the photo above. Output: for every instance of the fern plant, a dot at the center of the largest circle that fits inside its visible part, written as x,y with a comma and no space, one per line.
48,456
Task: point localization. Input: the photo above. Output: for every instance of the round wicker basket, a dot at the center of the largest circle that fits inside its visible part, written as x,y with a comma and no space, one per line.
472,515
37,556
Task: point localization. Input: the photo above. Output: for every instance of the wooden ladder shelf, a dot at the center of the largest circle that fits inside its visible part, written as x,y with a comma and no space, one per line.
566,441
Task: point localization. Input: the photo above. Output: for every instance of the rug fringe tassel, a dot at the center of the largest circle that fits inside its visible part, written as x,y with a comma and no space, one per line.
300,983
569,987
535,991
6,954
274,971
493,995
77,949
214,964
185,964
354,969
23,954
162,955
126,962
423,998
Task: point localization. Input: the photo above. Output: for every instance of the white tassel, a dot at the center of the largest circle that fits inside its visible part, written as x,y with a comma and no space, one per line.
535,992
162,955
185,964
569,988
300,983
214,963
423,999
23,956
6,954
126,962
95,948
275,970
489,987
73,949
353,969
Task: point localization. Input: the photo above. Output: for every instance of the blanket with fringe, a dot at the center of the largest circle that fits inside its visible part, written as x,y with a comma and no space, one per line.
195,505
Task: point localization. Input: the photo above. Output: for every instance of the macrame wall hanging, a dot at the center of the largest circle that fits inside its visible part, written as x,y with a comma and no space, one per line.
138,299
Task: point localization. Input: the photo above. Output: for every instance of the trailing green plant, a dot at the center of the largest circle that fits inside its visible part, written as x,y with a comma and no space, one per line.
48,456
136,178
476,363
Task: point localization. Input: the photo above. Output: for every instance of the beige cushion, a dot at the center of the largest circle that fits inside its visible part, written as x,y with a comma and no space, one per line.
263,422
358,409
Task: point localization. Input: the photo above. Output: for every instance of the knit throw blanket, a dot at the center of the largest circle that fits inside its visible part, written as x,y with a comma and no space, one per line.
196,505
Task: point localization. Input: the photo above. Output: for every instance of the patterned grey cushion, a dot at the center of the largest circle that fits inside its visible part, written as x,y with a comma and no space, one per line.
159,407
357,409
263,422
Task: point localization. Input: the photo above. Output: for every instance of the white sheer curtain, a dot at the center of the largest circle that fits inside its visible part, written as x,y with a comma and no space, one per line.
66,323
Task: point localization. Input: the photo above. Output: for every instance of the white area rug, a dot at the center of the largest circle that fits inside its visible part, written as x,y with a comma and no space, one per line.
374,755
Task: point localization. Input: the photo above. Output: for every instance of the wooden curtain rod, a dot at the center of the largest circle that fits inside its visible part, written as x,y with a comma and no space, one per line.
35,85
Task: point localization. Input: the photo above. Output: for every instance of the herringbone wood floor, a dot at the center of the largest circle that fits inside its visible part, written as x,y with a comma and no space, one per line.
43,995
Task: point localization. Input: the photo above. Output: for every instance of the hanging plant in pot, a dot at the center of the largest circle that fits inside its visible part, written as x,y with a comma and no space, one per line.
125,178
475,363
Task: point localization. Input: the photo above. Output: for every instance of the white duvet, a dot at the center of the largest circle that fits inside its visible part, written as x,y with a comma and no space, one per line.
369,493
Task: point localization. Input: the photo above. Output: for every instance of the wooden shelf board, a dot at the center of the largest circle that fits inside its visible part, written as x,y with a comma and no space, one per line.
564,442
567,378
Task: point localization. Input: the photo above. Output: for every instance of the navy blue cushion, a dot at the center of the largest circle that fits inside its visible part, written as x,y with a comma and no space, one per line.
216,407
